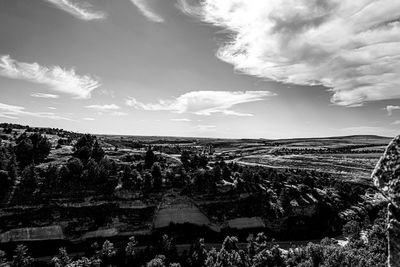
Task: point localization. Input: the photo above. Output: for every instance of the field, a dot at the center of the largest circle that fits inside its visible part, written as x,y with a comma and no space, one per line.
353,157
353,166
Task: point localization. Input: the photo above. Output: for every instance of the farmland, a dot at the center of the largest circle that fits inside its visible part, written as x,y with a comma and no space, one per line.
352,157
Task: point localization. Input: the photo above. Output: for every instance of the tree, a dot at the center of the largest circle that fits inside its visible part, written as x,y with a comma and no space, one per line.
83,147
12,167
32,149
157,176
158,261
284,199
97,152
21,257
352,230
130,249
63,173
93,171
62,259
258,244
272,257
108,252
148,181
4,157
199,254
3,260
149,158
169,177
226,173
7,130
203,161
167,247
199,179
30,177
42,147
127,177
228,256
75,167
24,152
185,159
217,172
5,182
85,140
106,168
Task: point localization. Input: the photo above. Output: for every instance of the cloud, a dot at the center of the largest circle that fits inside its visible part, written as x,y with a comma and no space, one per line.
350,47
81,10
184,119
52,108
396,122
41,95
7,116
204,102
391,108
147,11
118,113
12,112
57,78
88,119
104,107
110,109
106,92
205,128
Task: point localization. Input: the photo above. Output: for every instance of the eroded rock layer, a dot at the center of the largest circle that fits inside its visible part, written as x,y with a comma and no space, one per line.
387,178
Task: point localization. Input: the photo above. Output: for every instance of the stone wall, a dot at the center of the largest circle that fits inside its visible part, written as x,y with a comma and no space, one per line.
387,178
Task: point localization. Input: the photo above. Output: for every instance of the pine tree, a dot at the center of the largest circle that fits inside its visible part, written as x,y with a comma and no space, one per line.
97,152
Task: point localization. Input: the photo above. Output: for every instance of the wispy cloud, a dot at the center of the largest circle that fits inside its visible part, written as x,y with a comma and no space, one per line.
106,92
391,108
109,109
350,47
41,95
396,122
104,107
13,112
10,111
88,119
147,11
205,127
7,116
118,113
81,10
183,119
57,78
53,108
204,102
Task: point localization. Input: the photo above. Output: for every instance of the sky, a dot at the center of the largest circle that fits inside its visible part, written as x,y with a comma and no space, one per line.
209,68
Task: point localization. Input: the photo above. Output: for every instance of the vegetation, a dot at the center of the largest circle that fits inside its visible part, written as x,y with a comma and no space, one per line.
369,250
104,188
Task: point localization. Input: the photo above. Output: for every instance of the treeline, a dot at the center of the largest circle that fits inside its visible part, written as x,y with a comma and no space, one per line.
368,249
351,149
20,160
8,127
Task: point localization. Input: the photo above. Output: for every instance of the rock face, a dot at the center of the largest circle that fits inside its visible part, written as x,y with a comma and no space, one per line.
387,178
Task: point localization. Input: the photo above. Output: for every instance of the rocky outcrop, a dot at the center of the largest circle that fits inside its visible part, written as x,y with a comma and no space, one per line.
30,234
387,178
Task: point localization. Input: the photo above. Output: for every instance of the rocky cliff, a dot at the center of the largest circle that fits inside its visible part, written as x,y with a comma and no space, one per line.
387,178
